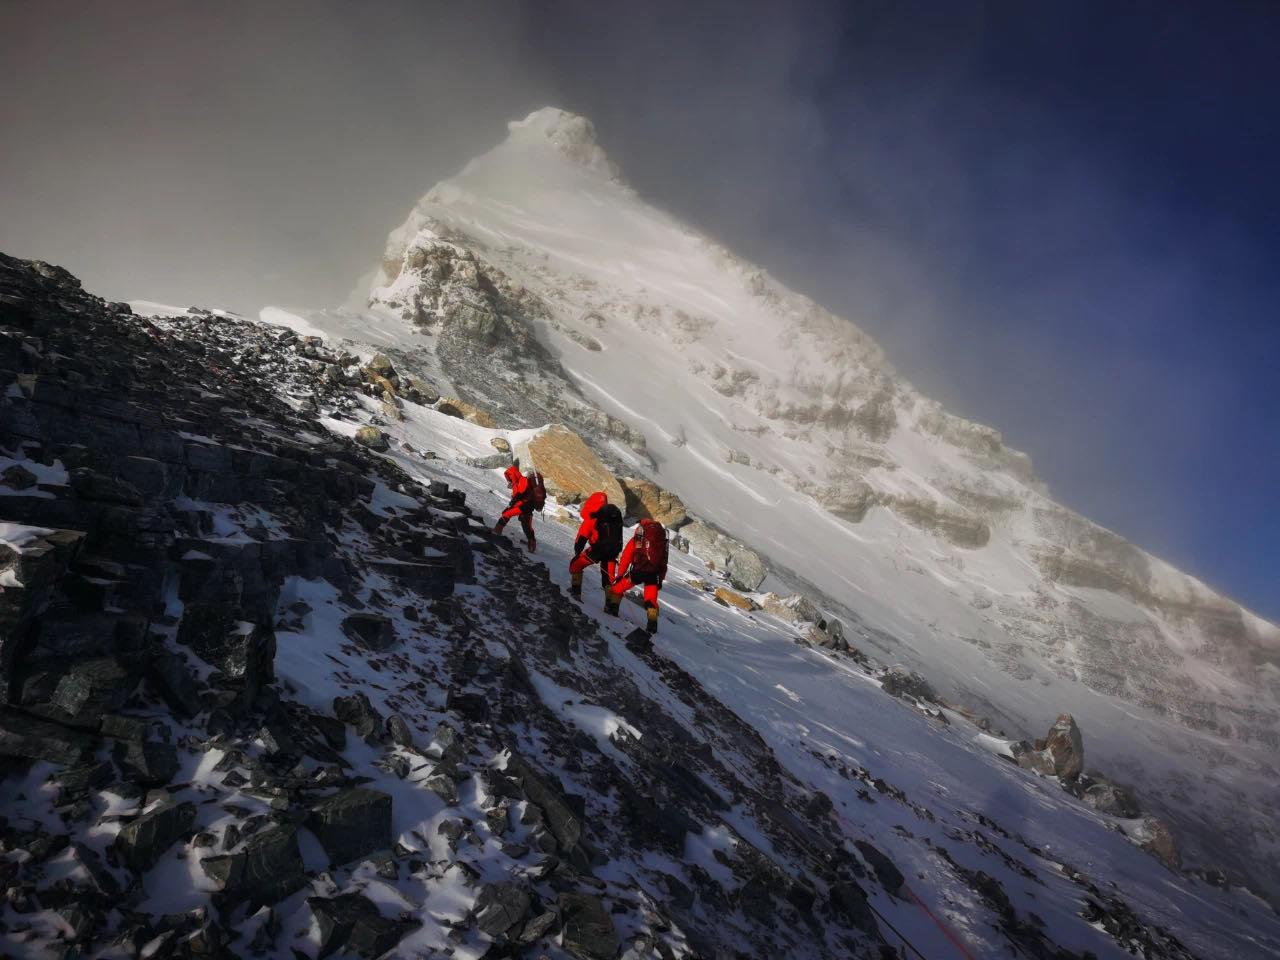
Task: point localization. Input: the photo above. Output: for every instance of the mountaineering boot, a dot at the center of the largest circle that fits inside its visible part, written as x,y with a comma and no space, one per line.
497,527
533,544
575,585
652,627
612,602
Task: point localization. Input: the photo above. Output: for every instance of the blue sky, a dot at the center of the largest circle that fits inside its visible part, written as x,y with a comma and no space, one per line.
1060,219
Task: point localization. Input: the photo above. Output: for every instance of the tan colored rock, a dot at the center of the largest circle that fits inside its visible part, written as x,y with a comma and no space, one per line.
391,411
730,599
371,437
381,383
645,499
417,390
453,407
569,468
501,444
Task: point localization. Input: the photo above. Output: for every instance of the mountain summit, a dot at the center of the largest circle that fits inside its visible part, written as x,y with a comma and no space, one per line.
543,288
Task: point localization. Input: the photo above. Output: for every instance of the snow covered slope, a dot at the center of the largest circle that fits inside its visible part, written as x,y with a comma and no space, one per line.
536,284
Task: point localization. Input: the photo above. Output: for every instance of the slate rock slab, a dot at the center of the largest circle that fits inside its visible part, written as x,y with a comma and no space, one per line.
142,842
146,764
22,735
352,823
267,870
500,907
351,923
172,679
356,711
588,928
369,630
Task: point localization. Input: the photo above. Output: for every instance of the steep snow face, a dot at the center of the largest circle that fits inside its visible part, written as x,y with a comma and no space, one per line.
536,274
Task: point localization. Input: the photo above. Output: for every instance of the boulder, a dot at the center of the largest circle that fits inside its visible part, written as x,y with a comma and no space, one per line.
1060,754
93,687
571,471
745,569
793,609
501,444
849,499
31,738
453,407
501,907
141,842
352,824
372,437
381,366
417,390
146,764
562,821
494,461
351,923
369,630
1112,799
728,598
1065,747
588,929
1154,836
356,711
898,682
267,870
886,871
18,477
170,677
244,652
645,499
400,732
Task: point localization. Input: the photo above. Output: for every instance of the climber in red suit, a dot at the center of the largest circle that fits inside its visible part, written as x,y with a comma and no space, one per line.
521,505
599,541
644,562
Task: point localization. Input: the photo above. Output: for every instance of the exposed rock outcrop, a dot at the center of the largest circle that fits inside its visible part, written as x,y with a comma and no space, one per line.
645,499
743,566
571,470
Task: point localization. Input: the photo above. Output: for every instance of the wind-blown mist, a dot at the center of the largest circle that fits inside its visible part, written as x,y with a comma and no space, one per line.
1056,230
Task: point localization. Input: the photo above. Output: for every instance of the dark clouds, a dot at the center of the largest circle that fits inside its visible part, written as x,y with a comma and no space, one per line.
1059,219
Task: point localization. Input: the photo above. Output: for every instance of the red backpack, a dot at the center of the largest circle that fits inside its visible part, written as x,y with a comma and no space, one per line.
651,552
537,490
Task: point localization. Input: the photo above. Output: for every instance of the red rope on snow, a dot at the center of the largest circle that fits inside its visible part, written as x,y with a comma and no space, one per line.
954,940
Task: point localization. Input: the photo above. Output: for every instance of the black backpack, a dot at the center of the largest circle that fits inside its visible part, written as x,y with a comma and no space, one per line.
608,533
